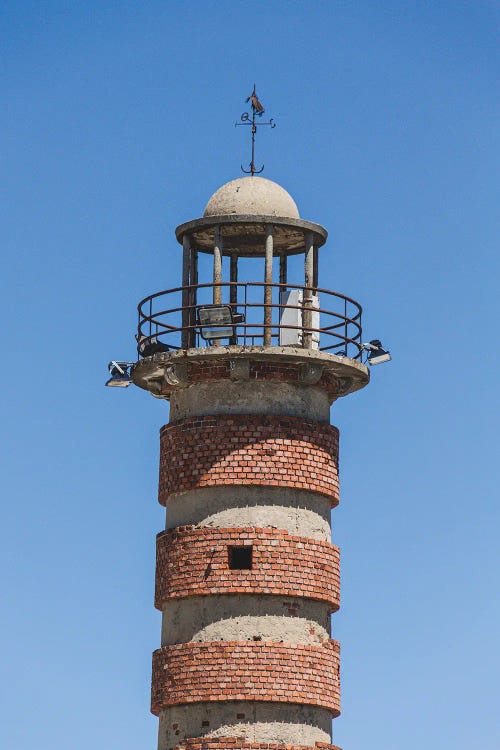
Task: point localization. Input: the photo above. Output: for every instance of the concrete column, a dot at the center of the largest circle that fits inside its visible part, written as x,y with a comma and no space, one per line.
217,277
315,268
193,280
217,297
186,267
268,290
233,290
308,282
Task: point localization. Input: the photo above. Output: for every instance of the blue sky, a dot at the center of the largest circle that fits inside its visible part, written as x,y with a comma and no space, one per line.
118,124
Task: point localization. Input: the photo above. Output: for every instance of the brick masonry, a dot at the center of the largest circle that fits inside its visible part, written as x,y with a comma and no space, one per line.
233,670
248,450
194,562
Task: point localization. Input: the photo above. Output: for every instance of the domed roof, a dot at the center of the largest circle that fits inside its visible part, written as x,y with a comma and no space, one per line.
254,196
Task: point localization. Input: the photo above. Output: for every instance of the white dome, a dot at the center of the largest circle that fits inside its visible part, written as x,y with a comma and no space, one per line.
254,196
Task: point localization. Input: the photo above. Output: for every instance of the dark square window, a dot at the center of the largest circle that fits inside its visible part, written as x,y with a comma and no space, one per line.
240,558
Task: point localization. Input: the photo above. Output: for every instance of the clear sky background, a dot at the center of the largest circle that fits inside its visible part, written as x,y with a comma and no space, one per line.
117,125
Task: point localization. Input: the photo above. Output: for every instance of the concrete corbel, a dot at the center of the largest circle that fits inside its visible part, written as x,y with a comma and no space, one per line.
153,381
343,386
176,374
310,372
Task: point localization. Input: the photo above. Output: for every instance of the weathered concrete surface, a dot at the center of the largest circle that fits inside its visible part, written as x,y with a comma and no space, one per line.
244,233
159,373
252,195
246,397
257,722
299,512
247,617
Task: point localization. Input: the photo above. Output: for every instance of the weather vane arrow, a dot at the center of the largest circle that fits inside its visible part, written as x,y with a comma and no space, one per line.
257,111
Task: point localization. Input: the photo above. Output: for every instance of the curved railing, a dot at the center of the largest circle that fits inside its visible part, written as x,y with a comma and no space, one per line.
310,318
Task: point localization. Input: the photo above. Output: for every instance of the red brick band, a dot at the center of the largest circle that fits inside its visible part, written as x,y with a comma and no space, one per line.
239,743
248,450
233,670
195,562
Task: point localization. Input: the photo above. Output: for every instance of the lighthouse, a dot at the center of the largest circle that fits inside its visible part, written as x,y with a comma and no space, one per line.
247,577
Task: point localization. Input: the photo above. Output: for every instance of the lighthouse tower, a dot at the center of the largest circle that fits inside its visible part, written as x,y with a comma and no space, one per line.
246,574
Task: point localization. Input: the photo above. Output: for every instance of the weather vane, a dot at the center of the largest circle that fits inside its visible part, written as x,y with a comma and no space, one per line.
257,111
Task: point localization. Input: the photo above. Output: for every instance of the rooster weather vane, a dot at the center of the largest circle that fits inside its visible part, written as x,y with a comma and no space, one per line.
257,111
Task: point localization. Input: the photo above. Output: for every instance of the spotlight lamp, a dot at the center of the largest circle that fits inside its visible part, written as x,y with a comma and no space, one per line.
218,321
120,374
376,353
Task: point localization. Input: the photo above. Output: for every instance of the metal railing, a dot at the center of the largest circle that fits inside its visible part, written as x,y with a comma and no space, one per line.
333,326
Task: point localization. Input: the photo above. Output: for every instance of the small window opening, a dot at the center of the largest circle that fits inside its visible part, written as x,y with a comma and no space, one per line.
240,558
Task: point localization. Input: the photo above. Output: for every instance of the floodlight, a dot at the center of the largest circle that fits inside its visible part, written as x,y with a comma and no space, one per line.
216,322
377,354
120,375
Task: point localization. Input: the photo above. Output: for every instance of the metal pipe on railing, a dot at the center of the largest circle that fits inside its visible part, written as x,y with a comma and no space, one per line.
345,318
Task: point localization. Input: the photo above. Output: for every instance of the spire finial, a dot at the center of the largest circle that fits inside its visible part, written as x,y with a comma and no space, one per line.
257,111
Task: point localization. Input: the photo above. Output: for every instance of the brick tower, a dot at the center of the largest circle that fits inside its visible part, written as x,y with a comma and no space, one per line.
246,574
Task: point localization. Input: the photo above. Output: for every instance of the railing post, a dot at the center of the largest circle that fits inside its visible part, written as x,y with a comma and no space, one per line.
186,267
308,293
139,327
268,289
345,329
360,335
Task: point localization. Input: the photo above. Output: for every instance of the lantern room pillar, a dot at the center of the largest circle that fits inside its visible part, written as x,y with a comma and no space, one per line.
268,289
217,276
308,292
186,269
